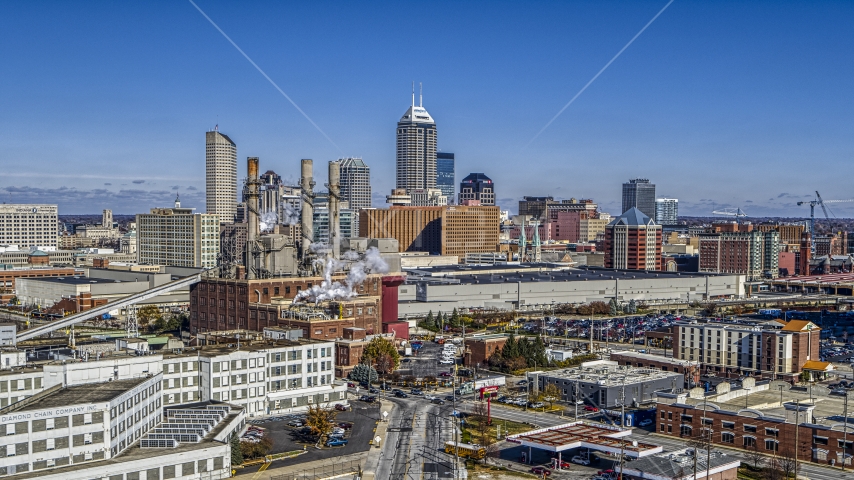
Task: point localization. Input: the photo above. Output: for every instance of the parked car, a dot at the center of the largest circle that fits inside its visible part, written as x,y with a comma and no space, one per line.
522,382
446,362
337,431
350,384
589,408
445,374
295,423
645,423
406,360
449,398
541,471
580,460
340,407
336,442
345,425
430,397
536,404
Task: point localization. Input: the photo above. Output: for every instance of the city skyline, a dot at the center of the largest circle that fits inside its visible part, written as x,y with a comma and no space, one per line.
720,105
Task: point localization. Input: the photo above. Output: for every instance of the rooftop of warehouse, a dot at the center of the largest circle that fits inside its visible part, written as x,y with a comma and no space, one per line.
534,272
86,394
828,408
607,373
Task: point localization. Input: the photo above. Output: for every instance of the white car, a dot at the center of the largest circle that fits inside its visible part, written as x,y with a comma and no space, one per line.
430,397
578,459
447,362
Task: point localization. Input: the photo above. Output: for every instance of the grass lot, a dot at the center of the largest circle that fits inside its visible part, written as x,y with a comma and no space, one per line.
472,428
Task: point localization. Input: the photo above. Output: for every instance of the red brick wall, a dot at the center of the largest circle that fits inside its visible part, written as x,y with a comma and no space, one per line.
669,419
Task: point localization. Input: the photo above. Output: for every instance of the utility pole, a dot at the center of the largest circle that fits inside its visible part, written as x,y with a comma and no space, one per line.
708,443
844,433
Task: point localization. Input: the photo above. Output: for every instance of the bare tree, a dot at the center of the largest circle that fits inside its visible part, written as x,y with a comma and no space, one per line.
786,463
479,420
754,457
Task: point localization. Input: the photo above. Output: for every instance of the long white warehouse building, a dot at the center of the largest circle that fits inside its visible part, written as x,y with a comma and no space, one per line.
514,286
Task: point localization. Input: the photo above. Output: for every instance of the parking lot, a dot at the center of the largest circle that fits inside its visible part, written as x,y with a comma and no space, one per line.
286,438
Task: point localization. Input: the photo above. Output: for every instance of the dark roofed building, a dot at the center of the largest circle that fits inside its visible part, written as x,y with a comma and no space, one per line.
477,186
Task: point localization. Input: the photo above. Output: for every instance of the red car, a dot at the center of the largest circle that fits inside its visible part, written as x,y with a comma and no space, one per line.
563,465
589,408
541,471
350,384
340,408
345,425
445,374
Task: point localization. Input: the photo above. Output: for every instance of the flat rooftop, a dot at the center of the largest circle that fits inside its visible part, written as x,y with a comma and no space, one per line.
535,272
599,437
654,358
76,395
608,374
828,408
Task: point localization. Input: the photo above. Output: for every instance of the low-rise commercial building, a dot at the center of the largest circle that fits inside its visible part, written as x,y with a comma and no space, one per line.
604,384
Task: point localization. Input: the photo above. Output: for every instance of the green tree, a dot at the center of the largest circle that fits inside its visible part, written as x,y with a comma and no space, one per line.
613,307
455,319
236,452
440,322
632,307
377,347
363,374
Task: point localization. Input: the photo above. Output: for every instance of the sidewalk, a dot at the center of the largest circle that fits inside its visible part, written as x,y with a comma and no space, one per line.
265,474
374,454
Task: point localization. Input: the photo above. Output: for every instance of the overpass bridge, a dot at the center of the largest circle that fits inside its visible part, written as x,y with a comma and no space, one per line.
106,308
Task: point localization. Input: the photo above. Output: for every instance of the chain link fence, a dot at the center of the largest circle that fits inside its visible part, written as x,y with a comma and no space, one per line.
335,470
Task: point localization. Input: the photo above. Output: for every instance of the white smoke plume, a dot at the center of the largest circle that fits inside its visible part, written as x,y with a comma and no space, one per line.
290,215
356,275
268,221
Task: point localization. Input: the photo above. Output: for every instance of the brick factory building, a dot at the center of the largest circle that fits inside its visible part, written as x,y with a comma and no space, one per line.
479,349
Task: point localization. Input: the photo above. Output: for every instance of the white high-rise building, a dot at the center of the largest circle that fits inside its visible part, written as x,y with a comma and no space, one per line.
220,176
177,237
355,186
416,149
28,225
666,211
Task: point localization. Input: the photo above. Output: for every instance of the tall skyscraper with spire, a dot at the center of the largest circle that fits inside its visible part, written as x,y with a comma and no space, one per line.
220,176
416,149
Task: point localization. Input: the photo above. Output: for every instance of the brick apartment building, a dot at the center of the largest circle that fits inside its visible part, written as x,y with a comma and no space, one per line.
834,244
633,241
756,431
224,304
732,350
751,253
447,230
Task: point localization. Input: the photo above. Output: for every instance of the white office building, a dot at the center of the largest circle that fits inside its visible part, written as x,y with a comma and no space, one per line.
177,237
220,176
355,186
272,377
666,211
29,225
416,150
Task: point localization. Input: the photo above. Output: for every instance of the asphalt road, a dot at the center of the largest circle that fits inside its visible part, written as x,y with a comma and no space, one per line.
414,444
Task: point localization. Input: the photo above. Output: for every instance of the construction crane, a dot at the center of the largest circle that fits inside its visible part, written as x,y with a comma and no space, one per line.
738,213
820,202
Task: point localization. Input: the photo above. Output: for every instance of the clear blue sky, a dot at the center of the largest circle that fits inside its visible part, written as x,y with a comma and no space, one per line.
720,103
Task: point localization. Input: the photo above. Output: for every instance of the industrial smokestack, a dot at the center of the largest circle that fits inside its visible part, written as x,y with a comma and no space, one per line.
335,208
306,184
252,184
